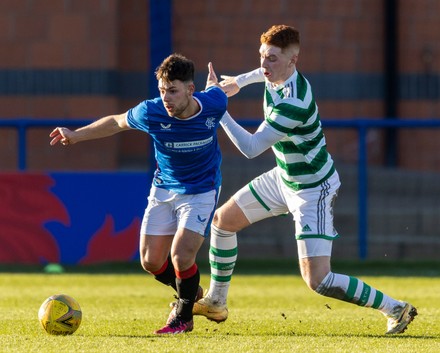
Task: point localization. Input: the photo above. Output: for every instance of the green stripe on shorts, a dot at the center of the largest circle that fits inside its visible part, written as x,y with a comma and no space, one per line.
315,236
258,197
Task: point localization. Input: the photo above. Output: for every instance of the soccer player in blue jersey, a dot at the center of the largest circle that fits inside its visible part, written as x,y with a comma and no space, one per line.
304,183
184,192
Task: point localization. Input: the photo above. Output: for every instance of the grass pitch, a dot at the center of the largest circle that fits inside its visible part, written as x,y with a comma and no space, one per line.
268,313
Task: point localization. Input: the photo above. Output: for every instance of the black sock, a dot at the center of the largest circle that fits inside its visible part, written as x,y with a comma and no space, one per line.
167,274
187,290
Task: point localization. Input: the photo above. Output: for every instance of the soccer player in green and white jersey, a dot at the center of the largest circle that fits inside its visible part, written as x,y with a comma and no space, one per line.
304,183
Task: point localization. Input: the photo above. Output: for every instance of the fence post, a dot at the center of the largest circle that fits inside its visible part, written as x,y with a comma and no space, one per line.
363,191
22,145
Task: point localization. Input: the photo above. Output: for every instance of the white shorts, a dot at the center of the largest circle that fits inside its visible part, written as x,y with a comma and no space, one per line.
167,211
313,247
312,209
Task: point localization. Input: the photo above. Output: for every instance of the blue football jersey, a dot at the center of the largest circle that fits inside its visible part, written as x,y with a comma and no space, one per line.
187,151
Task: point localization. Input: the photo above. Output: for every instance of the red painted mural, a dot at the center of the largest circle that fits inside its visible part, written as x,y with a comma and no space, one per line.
25,203
71,218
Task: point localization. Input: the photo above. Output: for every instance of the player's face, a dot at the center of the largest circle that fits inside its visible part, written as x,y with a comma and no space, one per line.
176,96
277,65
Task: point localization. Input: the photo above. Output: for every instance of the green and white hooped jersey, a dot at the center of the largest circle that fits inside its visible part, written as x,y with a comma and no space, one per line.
301,155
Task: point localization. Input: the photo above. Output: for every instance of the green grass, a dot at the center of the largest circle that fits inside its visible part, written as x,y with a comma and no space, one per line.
268,313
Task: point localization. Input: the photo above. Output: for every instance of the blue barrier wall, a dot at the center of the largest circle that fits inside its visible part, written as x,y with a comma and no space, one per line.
71,218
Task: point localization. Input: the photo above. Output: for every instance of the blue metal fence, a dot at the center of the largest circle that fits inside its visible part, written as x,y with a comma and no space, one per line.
22,125
360,125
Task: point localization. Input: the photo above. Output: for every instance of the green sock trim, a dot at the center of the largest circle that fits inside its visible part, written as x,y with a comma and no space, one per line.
222,266
351,289
223,253
378,299
221,278
364,295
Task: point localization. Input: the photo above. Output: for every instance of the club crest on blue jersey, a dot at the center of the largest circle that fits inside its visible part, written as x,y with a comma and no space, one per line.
210,123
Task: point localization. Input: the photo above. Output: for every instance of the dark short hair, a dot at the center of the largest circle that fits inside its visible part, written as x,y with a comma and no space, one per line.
281,36
175,67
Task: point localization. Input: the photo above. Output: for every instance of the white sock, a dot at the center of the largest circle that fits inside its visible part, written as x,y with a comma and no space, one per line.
222,257
353,290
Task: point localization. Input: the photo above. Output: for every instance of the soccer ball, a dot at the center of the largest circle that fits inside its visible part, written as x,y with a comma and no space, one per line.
60,315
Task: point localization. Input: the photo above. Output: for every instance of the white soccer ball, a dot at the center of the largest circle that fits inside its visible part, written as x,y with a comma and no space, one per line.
60,315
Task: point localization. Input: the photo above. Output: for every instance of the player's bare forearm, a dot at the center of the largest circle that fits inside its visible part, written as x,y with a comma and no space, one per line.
103,127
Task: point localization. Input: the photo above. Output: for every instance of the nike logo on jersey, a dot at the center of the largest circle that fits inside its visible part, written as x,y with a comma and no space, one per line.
200,219
165,126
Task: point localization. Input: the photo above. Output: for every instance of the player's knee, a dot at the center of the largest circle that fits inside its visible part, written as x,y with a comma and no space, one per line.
221,217
182,261
150,266
313,281
314,270
215,220
221,220
230,217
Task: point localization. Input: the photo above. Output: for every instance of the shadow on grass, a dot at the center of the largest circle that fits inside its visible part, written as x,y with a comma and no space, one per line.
194,334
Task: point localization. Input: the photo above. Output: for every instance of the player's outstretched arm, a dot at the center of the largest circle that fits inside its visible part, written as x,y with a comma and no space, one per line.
229,85
103,127
212,80
251,145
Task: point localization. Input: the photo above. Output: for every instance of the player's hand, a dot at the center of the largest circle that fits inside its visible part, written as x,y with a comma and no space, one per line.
212,77
62,135
229,85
